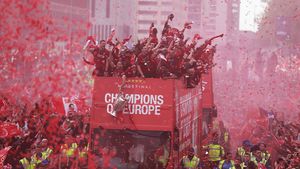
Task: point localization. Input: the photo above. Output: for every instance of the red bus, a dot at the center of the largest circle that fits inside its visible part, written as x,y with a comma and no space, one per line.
162,118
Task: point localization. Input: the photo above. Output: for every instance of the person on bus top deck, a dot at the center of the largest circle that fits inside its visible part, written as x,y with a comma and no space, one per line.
101,56
145,63
190,161
132,71
119,70
153,34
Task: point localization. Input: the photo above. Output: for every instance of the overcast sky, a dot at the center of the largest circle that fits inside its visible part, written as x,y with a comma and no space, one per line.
250,12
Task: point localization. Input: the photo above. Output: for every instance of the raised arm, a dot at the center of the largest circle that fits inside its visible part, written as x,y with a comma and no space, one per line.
86,61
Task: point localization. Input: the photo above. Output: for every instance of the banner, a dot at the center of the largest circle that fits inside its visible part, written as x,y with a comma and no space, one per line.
149,104
66,105
3,154
8,130
188,109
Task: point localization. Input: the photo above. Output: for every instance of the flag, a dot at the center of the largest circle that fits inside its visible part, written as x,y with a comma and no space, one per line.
263,112
58,105
3,154
162,57
8,130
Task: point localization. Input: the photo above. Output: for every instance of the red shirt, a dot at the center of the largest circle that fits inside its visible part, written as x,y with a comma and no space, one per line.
100,56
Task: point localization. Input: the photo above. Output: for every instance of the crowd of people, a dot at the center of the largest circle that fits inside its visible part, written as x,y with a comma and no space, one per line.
171,56
45,139
279,151
287,137
48,140
42,138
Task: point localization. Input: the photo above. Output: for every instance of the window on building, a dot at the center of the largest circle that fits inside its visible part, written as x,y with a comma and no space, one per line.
213,7
194,9
213,14
196,17
107,8
98,32
166,12
93,4
147,12
166,3
106,31
147,3
143,31
213,2
102,32
210,27
146,22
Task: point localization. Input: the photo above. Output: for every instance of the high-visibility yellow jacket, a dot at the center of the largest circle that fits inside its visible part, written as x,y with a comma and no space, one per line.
243,165
266,155
163,156
30,165
241,152
190,164
223,161
263,161
215,152
84,152
69,151
46,153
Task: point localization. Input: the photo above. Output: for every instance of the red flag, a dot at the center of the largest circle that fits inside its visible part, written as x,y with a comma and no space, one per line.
8,130
58,105
3,154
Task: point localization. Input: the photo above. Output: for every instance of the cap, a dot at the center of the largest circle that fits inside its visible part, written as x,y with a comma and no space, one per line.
247,143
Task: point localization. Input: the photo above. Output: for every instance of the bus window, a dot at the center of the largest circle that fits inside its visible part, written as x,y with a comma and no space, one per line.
124,149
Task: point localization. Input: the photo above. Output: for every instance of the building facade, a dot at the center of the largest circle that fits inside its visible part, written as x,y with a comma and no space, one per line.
157,11
106,15
194,14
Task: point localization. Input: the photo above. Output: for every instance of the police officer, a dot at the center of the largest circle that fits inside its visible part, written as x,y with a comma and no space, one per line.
245,163
45,153
26,164
257,161
242,150
67,156
190,161
215,152
227,163
265,155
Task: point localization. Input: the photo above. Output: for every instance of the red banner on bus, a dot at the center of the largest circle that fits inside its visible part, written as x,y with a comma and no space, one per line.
149,104
189,116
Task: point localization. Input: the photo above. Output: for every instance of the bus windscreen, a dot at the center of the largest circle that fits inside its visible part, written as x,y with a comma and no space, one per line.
128,149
